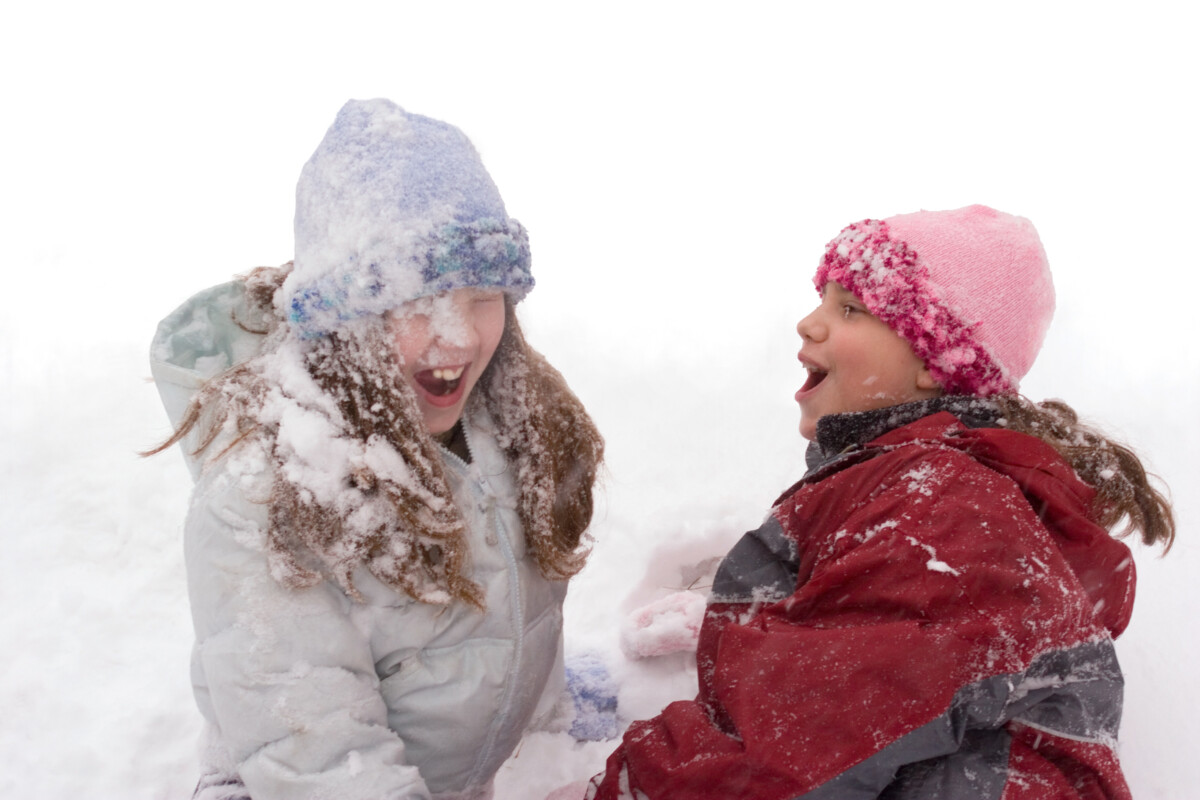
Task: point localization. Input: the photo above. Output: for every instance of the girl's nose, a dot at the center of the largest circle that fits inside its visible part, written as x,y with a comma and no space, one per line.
450,323
812,328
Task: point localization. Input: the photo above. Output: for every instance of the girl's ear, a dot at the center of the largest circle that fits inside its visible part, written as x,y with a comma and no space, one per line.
926,381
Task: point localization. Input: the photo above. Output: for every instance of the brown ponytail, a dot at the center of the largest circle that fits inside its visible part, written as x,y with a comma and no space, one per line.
1123,487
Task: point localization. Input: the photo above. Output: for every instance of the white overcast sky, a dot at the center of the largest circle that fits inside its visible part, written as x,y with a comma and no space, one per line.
679,165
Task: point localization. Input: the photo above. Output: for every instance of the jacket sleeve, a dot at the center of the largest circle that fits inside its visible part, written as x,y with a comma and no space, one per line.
933,587
283,674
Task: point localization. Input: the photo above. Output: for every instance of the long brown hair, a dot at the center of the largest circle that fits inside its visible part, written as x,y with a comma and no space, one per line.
415,541
1123,488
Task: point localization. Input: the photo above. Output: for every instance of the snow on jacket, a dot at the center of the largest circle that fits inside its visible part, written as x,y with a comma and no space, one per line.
927,616
309,694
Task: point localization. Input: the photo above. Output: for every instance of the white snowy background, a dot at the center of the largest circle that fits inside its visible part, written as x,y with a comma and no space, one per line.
680,167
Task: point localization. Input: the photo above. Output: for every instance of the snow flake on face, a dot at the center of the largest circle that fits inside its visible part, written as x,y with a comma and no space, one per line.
444,320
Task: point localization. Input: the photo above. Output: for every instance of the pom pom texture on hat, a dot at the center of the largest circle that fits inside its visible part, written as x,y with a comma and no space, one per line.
969,289
393,206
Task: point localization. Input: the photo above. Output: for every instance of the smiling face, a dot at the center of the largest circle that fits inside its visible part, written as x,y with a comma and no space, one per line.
444,343
855,362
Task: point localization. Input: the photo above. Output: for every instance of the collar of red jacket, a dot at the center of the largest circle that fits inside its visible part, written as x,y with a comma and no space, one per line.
838,434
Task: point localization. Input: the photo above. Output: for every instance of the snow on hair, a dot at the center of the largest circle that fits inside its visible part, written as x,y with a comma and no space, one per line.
359,481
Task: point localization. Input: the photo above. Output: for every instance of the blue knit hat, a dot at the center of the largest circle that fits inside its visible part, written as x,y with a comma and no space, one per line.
394,206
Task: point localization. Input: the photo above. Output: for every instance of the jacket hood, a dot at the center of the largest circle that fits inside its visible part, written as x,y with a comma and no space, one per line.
1103,565
208,334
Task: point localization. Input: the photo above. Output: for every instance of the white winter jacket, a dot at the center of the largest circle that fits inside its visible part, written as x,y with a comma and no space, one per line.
309,694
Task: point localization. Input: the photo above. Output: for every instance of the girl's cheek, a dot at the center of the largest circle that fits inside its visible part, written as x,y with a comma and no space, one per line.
411,338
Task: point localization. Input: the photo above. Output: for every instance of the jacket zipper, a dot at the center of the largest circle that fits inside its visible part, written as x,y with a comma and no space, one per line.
516,610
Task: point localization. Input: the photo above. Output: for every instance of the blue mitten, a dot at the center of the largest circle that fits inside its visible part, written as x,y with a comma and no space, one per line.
595,697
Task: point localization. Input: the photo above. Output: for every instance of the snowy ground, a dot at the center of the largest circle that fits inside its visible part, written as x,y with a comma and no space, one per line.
96,638
679,174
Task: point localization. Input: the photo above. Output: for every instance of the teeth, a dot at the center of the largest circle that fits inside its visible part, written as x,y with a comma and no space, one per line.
449,374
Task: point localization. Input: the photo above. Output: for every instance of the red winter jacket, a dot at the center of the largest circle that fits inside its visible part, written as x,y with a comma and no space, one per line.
930,616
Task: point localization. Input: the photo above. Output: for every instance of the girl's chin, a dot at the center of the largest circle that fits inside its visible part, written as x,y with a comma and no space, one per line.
808,424
440,420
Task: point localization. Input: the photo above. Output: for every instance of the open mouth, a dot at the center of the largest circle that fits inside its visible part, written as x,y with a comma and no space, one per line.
442,381
815,376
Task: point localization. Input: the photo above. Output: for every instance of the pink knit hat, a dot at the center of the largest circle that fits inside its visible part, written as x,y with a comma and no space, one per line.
969,289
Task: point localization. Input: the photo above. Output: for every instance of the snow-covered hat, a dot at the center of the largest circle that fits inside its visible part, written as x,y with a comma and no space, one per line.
969,289
393,206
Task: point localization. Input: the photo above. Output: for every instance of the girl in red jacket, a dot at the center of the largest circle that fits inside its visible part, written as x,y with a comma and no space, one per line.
929,612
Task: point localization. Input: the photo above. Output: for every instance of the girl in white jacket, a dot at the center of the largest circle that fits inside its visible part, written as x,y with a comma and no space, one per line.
392,487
